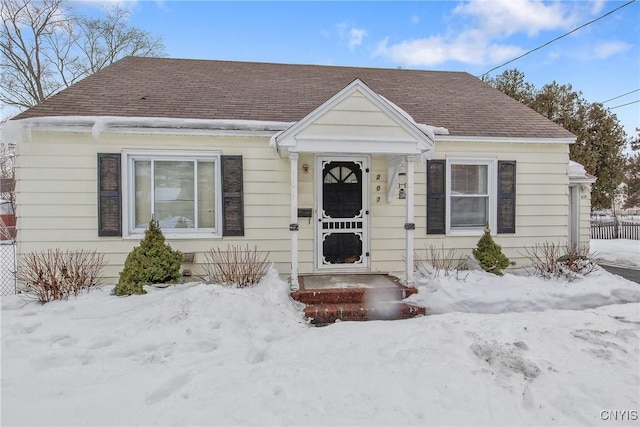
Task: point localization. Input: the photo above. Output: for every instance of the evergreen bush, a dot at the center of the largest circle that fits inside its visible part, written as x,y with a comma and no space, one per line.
489,254
151,262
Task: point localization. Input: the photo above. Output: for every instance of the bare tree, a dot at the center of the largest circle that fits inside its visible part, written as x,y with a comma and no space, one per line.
600,138
44,47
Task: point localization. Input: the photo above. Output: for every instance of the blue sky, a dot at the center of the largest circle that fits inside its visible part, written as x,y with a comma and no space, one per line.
602,59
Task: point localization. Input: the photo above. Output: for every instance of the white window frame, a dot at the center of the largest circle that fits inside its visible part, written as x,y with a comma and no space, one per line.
492,189
128,181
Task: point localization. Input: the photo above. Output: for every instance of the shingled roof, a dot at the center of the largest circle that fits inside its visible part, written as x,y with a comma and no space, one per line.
204,89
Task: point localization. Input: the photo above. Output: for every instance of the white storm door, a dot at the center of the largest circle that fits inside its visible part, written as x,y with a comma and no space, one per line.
342,188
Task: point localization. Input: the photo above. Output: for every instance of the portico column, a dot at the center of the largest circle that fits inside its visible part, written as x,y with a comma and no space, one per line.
293,224
410,225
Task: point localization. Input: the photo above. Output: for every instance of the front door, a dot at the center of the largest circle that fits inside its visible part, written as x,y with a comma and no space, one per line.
342,205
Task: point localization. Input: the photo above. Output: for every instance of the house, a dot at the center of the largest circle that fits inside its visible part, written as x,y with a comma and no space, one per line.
330,169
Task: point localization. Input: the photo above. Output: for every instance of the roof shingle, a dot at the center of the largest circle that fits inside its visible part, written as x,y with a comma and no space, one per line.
205,89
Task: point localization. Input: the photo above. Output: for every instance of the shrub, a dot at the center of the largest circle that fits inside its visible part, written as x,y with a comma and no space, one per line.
489,254
151,262
54,274
236,266
437,260
556,260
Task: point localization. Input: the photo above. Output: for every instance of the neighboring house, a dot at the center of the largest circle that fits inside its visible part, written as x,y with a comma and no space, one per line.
7,221
330,169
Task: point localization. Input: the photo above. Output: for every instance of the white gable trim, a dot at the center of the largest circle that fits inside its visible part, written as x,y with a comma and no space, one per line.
290,141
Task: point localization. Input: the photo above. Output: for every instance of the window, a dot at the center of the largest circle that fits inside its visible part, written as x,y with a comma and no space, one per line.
469,196
182,192
465,194
193,194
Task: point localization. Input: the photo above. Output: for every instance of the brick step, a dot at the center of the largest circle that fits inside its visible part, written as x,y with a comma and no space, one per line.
322,314
351,295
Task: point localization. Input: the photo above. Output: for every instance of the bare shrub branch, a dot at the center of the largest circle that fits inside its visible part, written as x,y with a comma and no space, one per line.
556,260
437,260
54,274
236,266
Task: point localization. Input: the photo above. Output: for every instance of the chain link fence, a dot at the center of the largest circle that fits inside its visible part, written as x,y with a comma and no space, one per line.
8,285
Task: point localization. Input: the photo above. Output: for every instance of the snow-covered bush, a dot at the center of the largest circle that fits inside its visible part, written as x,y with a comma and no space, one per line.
55,275
555,260
151,262
236,266
489,254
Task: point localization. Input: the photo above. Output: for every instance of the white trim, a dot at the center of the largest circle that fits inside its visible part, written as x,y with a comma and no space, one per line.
574,215
367,146
492,190
97,125
293,159
582,180
127,161
366,232
289,140
504,139
326,138
409,243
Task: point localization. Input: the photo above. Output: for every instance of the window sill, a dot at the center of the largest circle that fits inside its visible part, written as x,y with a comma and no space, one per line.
467,233
177,236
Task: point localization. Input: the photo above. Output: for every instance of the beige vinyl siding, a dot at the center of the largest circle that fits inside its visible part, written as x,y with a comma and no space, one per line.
358,117
306,200
57,198
386,222
542,202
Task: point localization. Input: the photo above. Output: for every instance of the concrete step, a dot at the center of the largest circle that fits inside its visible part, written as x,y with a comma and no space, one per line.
322,314
352,295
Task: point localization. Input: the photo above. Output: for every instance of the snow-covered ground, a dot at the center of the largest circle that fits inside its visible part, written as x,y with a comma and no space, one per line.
622,252
511,350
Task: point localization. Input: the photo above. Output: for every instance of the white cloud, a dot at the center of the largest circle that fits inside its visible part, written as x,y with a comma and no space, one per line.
467,47
603,50
355,37
596,6
351,35
500,53
599,50
483,27
506,17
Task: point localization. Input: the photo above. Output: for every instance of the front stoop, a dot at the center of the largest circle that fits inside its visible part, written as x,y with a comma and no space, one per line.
324,306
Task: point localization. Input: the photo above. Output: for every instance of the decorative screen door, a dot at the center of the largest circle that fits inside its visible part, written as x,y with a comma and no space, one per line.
342,229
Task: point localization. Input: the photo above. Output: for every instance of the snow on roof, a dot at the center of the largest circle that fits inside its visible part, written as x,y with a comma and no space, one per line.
577,173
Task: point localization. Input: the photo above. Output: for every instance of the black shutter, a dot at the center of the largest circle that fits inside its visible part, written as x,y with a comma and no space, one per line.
436,196
232,198
109,195
506,197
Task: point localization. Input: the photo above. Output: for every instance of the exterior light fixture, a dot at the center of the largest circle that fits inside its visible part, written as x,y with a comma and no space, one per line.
402,185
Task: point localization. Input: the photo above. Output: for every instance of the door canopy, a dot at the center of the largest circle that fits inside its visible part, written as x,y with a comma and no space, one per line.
357,121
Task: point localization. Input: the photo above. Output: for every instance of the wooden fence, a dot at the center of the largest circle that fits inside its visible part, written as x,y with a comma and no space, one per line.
609,230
